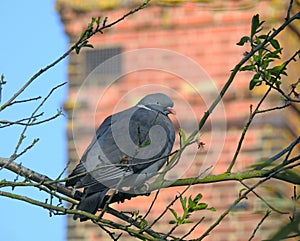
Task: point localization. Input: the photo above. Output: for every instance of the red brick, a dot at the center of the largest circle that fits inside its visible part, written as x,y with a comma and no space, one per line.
208,38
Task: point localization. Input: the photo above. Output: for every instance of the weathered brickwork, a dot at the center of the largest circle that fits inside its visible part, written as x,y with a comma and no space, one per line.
207,34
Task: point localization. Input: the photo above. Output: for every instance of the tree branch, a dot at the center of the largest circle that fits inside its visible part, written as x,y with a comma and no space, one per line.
35,176
268,212
236,69
272,173
67,53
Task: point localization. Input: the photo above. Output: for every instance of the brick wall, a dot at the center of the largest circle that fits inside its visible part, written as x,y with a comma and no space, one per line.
206,34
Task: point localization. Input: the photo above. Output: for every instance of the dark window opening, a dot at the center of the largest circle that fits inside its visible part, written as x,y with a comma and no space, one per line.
103,65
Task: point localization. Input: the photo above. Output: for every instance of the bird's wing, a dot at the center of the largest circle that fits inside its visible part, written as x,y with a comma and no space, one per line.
100,162
80,176
155,135
126,143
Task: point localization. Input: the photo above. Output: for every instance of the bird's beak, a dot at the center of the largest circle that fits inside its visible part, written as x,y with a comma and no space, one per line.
171,110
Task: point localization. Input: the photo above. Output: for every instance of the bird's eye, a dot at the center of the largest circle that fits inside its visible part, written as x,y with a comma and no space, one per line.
157,102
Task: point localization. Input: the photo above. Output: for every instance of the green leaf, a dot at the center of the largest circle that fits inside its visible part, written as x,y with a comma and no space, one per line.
186,221
98,21
273,79
84,35
89,46
243,40
90,26
247,68
257,58
263,36
183,203
275,43
174,213
198,198
255,82
278,83
241,191
191,203
212,209
201,206
266,63
257,40
77,50
254,25
274,54
277,70
146,143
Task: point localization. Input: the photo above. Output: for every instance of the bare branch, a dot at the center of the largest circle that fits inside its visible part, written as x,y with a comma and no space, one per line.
22,135
67,53
259,224
236,70
7,123
271,174
256,111
192,229
21,123
288,149
26,100
263,200
36,177
288,14
274,108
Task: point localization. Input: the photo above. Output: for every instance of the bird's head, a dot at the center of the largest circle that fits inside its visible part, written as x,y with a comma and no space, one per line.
158,102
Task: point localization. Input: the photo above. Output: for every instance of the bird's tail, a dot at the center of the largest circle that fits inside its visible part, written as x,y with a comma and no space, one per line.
90,202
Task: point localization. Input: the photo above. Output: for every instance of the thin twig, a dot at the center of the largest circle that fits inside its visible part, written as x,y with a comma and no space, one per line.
274,108
193,180
20,122
294,198
192,229
288,14
15,155
7,123
245,129
268,212
167,207
111,234
26,100
263,200
152,204
26,183
170,231
271,174
36,177
36,110
58,209
130,220
236,70
253,113
67,53
288,149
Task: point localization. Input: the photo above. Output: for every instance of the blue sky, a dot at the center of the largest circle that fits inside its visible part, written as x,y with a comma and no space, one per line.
32,36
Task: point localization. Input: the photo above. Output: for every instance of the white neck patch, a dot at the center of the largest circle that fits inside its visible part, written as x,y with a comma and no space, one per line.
144,107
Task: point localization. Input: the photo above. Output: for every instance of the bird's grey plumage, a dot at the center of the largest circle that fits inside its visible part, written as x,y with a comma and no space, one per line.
129,148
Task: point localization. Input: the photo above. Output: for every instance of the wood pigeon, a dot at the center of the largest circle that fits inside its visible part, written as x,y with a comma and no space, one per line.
129,148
